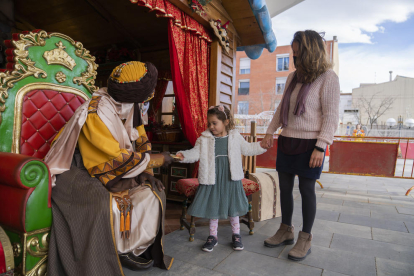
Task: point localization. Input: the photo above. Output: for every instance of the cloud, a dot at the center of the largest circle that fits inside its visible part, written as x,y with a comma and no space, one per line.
360,64
353,21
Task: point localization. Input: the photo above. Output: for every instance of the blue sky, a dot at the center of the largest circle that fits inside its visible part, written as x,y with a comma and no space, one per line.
375,36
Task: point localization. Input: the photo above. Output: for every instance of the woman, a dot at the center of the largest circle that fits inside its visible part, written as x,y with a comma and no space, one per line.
309,118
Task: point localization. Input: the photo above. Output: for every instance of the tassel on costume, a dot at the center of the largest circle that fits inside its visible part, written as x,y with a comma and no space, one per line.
121,208
128,209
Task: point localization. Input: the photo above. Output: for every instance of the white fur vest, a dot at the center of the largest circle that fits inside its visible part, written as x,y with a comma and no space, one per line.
204,151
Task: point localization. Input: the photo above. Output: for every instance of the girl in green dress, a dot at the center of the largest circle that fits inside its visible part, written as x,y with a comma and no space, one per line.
220,194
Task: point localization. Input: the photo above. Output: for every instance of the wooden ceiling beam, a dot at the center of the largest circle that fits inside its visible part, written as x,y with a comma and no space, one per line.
112,21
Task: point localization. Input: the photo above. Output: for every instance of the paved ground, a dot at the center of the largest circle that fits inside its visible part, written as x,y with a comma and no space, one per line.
364,226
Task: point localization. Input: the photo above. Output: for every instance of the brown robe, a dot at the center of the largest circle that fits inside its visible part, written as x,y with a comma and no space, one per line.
82,240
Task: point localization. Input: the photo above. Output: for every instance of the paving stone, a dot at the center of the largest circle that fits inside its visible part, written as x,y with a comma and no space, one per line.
392,217
177,269
357,192
373,222
385,209
327,215
333,201
343,209
330,273
357,198
348,263
338,191
373,248
255,243
342,228
403,198
393,237
246,263
180,248
388,267
390,202
410,226
405,210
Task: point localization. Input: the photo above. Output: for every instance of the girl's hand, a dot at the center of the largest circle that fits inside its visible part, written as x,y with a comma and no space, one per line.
316,159
267,141
180,155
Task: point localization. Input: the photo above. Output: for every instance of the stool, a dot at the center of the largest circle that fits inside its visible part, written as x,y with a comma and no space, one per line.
189,186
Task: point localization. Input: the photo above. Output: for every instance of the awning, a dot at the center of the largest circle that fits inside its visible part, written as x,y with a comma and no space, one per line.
264,12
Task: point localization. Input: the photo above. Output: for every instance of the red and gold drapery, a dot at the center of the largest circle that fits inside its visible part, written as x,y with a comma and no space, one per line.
189,56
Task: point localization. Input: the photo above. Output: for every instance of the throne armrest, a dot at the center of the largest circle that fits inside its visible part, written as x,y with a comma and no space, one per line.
25,190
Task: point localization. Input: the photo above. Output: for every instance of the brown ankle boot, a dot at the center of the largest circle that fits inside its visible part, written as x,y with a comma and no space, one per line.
302,247
283,236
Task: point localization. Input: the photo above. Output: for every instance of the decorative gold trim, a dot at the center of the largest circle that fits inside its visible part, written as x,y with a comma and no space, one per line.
59,56
40,269
8,250
60,77
38,231
23,67
18,106
87,78
40,251
17,249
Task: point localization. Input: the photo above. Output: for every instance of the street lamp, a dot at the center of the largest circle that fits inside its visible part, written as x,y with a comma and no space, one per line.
391,122
409,123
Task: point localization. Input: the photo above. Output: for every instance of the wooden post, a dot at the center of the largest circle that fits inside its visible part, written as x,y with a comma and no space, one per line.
253,138
215,73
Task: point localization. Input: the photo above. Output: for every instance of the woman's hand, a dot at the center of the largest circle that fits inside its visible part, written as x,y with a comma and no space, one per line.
267,141
316,159
180,155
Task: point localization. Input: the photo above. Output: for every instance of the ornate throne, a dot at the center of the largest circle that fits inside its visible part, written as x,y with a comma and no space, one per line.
48,76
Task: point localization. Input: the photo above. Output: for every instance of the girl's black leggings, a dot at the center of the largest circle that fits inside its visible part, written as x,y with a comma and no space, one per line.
307,191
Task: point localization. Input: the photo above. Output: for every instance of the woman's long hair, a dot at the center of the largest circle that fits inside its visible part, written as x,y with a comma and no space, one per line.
312,60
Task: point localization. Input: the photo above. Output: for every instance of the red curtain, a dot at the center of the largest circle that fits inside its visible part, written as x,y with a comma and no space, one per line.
160,89
189,58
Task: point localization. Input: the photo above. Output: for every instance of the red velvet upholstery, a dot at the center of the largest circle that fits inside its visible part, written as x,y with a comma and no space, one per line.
189,186
13,194
45,112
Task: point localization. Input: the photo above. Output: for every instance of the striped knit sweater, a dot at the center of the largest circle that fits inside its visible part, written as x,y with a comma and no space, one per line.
321,116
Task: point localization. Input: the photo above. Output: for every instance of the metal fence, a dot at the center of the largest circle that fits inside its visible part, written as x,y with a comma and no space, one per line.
368,156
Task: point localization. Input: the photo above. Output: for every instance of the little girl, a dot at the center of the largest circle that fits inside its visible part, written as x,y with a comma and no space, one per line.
220,194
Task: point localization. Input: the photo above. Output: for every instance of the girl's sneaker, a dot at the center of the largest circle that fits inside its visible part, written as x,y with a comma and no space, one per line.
237,242
210,244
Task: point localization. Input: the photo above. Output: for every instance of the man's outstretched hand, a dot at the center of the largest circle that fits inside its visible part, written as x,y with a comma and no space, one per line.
143,177
167,159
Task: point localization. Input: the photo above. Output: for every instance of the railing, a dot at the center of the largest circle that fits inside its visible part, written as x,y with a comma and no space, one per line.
367,156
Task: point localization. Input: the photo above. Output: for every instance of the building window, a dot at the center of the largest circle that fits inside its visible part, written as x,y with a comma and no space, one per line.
243,108
280,85
168,105
245,66
283,62
244,87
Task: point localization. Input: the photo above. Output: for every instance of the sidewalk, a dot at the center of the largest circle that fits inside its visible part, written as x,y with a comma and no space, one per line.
364,226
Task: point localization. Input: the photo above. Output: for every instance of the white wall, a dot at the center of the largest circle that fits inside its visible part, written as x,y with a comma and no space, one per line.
401,89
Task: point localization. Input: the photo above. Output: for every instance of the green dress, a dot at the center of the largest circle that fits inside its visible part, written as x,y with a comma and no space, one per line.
224,199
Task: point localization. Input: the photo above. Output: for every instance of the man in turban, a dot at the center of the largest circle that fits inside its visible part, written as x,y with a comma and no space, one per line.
108,209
